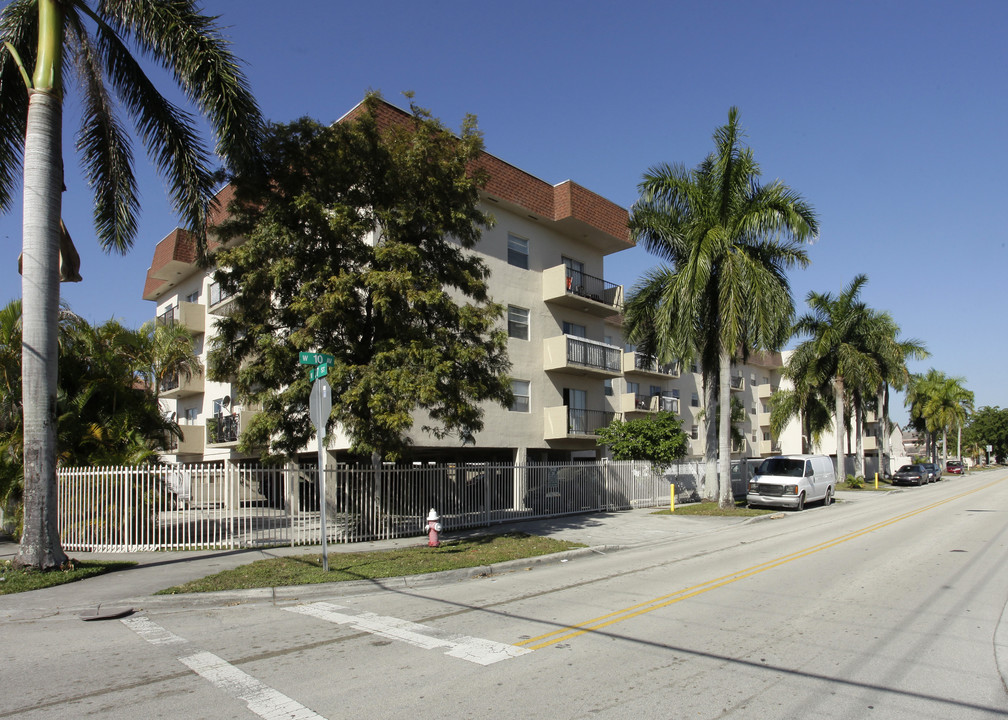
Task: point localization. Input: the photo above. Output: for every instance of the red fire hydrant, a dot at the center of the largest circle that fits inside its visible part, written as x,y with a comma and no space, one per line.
433,528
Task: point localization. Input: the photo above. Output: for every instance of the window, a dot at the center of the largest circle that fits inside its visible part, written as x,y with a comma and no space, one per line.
520,388
695,432
190,415
754,437
518,322
675,392
575,330
655,390
752,410
766,435
518,252
607,387
632,387
193,297
694,400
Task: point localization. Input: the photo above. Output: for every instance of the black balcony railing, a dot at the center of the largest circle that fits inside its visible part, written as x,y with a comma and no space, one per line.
170,383
736,382
168,317
648,363
594,288
587,422
593,354
222,429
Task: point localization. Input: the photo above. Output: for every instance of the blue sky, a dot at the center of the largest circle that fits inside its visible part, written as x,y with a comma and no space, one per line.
888,117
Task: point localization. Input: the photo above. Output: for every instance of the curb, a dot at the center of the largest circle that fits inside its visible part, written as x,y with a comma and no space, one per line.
294,594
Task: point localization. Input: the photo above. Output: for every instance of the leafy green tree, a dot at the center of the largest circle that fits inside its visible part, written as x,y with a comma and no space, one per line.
94,37
989,426
728,240
658,439
356,246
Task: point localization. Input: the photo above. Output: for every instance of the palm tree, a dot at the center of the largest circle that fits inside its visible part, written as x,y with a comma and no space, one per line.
838,350
948,405
92,36
168,350
892,354
920,390
808,401
728,240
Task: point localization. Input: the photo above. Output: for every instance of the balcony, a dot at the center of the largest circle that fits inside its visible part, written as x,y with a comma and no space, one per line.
765,390
769,447
585,357
224,430
177,386
218,300
568,423
737,383
581,291
635,362
636,403
869,443
191,316
191,442
763,419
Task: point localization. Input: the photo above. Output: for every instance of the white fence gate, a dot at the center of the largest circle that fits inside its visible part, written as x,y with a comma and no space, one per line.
176,507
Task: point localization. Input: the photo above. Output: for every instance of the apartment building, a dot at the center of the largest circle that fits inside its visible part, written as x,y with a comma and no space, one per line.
572,372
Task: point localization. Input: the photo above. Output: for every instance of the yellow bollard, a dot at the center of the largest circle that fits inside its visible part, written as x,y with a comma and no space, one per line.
876,481
672,497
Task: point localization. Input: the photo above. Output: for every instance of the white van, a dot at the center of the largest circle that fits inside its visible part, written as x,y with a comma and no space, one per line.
792,480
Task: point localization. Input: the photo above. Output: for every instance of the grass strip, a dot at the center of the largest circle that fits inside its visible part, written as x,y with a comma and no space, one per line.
16,580
371,565
713,509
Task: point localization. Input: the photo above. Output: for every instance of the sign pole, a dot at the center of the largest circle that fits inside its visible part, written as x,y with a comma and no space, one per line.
322,498
319,407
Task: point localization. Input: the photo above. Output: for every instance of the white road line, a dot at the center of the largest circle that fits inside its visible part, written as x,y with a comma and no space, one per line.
152,632
476,650
260,698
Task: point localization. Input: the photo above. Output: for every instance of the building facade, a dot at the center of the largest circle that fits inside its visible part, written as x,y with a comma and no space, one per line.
572,371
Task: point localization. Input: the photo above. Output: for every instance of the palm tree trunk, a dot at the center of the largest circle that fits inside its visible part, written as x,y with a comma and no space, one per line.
724,434
959,441
838,421
710,394
43,185
859,438
882,430
944,445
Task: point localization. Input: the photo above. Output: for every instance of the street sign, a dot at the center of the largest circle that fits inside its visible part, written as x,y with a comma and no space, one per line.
320,405
315,358
319,371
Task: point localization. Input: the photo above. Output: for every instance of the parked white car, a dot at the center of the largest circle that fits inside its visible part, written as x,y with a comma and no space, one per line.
792,480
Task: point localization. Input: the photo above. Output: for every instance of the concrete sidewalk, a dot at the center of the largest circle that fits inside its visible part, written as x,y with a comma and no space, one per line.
159,570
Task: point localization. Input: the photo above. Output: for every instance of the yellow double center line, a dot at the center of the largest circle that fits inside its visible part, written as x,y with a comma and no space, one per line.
572,631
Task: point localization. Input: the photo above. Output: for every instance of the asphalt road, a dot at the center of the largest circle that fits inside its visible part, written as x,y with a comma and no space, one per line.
886,606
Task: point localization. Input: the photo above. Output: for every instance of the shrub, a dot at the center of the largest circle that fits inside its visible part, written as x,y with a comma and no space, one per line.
855,483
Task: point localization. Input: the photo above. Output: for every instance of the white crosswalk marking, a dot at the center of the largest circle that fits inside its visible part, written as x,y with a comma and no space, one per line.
260,698
476,650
